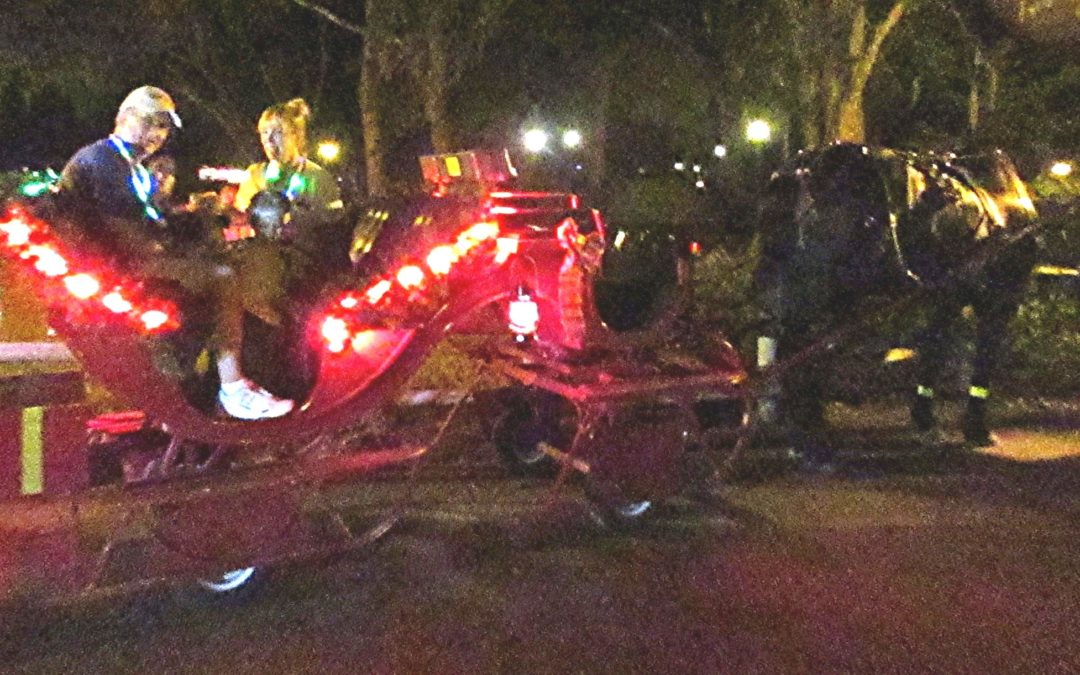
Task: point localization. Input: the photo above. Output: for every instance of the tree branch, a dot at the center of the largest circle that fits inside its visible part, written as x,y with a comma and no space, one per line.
866,64
330,16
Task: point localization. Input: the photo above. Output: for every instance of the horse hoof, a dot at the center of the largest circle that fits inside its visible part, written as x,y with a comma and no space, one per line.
933,437
922,415
980,439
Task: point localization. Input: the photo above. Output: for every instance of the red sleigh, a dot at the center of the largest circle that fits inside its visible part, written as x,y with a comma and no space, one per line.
518,268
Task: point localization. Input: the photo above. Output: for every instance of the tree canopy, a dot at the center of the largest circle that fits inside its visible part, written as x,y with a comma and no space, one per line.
645,81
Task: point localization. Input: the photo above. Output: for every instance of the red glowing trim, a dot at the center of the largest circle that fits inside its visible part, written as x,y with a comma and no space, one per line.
441,259
522,194
30,241
82,286
567,232
598,221
575,202
376,292
503,210
410,276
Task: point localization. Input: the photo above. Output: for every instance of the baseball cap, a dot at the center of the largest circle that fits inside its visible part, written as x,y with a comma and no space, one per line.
148,100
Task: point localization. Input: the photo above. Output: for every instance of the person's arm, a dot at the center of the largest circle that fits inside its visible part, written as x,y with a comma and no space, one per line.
251,185
90,194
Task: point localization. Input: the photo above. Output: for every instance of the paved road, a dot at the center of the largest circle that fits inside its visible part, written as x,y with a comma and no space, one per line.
902,562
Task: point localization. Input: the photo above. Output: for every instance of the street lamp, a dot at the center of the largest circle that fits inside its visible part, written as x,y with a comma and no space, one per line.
758,131
535,140
1061,169
329,150
571,138
720,151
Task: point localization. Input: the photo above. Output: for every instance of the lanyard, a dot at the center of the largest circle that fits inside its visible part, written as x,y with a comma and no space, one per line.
296,183
141,182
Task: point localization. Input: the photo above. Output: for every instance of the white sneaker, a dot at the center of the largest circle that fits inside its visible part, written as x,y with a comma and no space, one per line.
247,401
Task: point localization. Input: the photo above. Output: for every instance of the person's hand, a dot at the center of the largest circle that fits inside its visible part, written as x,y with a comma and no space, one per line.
203,201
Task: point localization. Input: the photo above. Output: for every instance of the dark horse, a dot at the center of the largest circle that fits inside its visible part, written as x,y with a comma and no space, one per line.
846,222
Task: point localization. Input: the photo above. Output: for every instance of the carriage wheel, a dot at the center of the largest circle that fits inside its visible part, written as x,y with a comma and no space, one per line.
533,417
231,581
636,452
726,431
230,524
618,512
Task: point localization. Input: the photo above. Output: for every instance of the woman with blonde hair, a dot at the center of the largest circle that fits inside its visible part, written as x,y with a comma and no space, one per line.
286,246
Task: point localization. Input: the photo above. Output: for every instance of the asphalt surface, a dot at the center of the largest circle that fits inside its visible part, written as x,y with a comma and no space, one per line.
905,560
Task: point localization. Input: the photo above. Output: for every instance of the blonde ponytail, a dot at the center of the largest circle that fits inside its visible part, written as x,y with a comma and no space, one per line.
292,114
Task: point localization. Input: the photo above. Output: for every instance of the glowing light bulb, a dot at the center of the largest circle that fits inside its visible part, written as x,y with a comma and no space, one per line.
1061,169
114,302
441,259
335,330
410,276
17,231
504,248
535,140
154,319
82,286
377,291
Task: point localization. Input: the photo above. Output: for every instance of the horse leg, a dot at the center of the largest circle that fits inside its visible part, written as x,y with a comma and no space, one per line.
995,307
803,395
932,345
993,315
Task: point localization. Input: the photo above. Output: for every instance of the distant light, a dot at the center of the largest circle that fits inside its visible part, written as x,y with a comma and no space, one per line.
679,166
535,140
329,150
571,138
1061,169
620,238
699,184
720,150
758,131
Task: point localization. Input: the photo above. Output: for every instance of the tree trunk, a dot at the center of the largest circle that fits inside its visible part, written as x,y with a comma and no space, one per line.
973,93
370,116
435,83
596,142
851,120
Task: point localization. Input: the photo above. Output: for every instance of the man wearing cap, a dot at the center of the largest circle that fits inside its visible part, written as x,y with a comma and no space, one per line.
108,186
110,193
